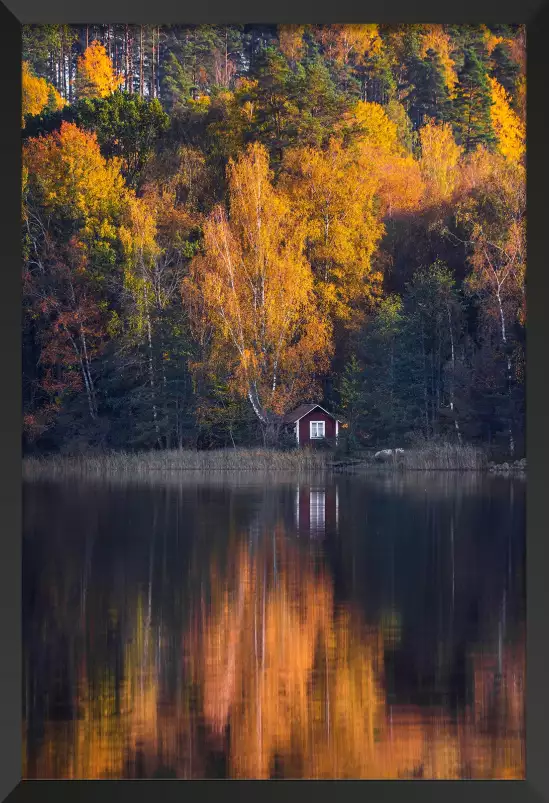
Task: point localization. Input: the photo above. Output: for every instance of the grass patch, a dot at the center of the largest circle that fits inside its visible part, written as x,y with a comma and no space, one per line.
261,460
426,456
444,457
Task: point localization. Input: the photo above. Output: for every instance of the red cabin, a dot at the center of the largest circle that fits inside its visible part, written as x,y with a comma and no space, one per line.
311,422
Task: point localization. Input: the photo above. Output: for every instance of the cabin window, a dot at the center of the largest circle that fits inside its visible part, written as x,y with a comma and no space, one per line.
317,429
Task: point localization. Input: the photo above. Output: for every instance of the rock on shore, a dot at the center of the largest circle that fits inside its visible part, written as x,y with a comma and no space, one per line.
517,467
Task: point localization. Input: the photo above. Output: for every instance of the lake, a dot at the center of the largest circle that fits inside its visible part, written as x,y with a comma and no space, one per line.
249,626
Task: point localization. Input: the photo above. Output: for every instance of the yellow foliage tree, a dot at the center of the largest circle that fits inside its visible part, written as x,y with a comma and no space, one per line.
400,185
75,181
370,123
290,38
440,157
334,196
252,290
234,113
435,38
138,237
38,94
95,76
380,152
344,43
508,127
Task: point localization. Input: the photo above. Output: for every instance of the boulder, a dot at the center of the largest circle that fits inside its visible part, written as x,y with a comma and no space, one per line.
387,454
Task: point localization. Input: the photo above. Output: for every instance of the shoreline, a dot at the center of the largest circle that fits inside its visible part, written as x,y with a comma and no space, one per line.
435,458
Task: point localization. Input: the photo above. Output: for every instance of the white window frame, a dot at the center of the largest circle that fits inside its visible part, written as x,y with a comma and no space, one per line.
317,424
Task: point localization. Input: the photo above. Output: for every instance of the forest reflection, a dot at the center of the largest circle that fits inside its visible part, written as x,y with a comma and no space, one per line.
273,676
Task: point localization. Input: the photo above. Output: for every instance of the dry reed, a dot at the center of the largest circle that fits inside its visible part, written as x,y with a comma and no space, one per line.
219,460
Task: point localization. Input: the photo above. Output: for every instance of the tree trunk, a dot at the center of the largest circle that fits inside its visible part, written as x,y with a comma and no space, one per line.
256,405
158,62
509,379
126,58
165,407
141,74
63,71
392,394
153,80
151,364
71,76
88,390
425,392
88,374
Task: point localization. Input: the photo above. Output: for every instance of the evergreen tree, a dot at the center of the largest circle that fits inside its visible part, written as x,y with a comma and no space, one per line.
379,347
429,94
472,104
277,102
127,126
505,70
352,400
178,82
411,352
318,101
431,334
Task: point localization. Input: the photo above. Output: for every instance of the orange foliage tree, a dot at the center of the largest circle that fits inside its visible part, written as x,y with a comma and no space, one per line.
95,76
376,142
252,290
73,200
75,182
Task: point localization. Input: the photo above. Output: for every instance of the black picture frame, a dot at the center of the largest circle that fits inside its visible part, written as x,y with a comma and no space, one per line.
536,16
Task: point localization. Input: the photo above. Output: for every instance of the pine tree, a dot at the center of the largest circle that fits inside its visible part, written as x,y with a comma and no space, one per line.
379,350
429,94
352,400
473,103
505,70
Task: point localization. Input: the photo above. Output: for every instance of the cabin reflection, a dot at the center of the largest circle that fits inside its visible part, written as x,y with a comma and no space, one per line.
317,510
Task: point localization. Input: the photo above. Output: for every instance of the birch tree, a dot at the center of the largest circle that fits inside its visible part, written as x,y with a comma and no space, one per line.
252,289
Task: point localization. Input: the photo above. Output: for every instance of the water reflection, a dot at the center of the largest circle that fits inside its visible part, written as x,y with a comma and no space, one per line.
331,629
317,508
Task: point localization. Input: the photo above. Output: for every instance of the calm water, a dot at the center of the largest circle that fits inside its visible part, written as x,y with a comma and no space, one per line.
255,628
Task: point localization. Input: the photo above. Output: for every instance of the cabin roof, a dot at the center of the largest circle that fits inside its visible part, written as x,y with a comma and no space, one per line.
303,410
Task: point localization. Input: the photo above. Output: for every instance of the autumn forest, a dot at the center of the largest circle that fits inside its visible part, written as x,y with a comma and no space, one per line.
221,223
